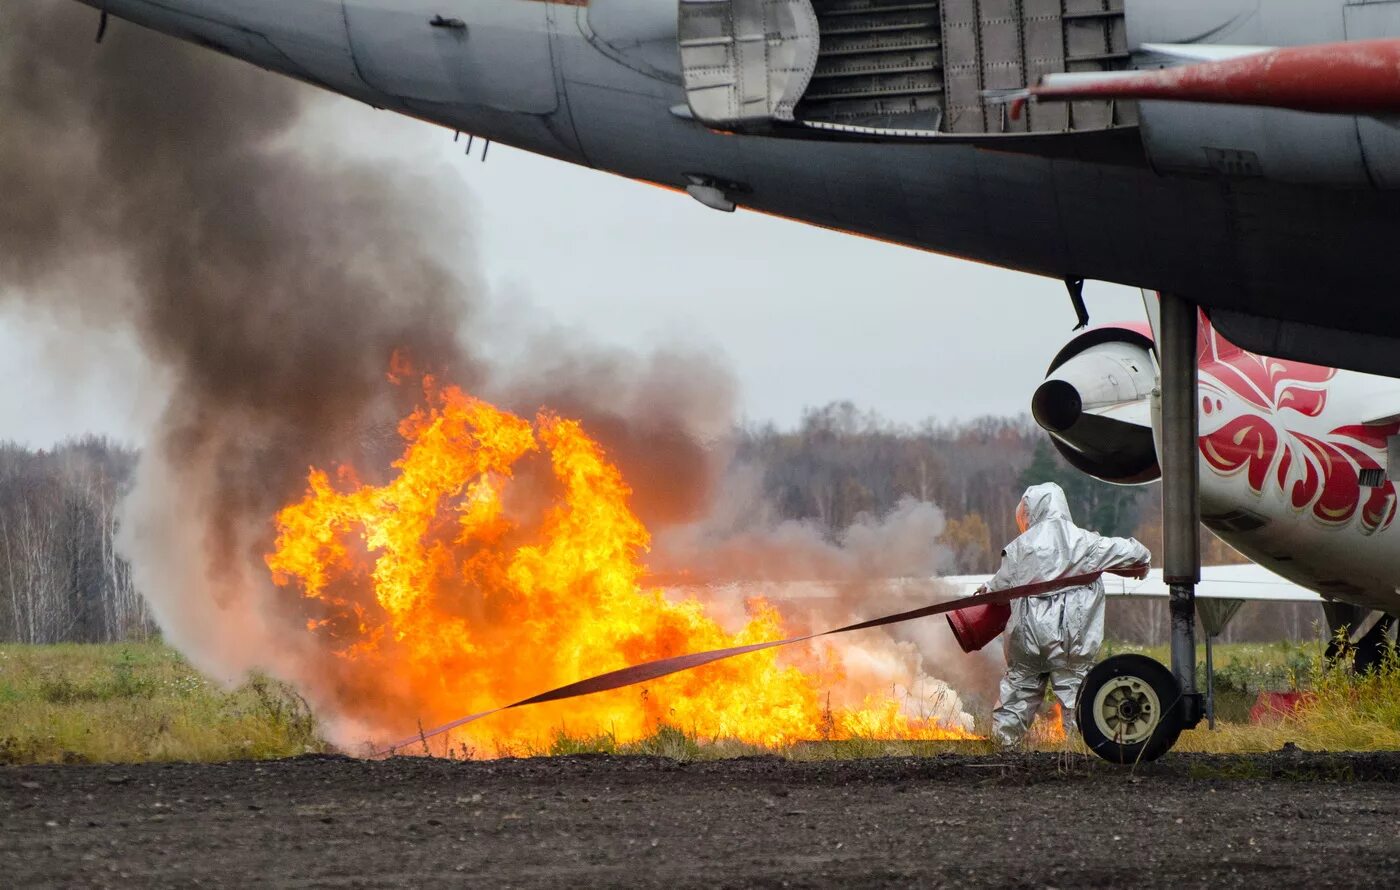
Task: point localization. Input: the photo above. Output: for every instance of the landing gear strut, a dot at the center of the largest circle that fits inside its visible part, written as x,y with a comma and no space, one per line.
1181,484
1131,708
1358,635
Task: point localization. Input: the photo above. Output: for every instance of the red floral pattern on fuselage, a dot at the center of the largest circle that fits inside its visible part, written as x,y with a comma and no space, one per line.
1320,474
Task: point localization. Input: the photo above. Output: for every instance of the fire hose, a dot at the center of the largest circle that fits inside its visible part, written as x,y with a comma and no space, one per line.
654,670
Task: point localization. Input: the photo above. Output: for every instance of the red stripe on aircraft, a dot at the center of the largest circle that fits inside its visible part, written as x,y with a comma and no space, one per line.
1360,77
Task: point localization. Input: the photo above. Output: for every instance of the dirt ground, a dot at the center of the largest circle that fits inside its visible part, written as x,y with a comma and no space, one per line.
1033,821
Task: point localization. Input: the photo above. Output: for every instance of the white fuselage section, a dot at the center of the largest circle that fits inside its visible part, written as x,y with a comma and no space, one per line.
1296,471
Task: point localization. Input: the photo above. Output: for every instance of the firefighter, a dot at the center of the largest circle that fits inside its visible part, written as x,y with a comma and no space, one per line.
1053,638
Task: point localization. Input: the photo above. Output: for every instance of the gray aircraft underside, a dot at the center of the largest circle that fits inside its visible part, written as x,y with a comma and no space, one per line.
872,116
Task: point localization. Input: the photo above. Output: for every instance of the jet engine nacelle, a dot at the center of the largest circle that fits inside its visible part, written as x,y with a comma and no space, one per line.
1096,404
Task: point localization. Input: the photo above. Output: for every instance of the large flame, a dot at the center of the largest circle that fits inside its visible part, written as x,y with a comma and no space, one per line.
500,560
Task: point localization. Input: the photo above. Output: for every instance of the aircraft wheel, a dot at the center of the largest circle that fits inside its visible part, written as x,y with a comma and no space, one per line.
1130,709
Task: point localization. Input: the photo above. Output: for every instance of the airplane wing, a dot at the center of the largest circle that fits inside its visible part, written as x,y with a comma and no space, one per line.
1204,52
1246,583
1221,593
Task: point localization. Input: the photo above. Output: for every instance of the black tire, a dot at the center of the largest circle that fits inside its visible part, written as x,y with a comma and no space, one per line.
1130,709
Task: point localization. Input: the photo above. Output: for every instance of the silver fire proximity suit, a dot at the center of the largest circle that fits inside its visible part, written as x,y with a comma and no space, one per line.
1054,637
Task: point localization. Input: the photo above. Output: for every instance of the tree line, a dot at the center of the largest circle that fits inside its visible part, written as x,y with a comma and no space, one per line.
841,462
62,579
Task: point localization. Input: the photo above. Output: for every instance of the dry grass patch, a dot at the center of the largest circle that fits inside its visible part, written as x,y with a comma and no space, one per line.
144,702
139,702
1345,712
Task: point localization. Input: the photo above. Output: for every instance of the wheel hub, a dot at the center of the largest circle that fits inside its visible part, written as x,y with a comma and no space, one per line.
1127,710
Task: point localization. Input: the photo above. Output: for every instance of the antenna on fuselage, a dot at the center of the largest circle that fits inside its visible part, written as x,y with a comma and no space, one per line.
471,143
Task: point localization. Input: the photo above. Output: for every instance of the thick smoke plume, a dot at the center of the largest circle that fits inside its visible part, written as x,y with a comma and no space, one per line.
155,186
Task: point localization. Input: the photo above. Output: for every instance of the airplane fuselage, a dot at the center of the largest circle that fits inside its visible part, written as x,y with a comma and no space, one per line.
1293,206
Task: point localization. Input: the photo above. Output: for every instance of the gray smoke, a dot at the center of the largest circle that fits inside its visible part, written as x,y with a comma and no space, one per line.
879,564
156,187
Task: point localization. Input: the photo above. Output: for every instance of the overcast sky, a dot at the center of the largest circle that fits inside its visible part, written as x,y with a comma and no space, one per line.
803,316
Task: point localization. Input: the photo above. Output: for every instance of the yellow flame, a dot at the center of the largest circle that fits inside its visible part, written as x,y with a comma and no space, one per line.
456,587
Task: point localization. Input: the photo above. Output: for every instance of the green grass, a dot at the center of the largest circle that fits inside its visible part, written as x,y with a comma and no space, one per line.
144,702
1243,670
1348,713
139,702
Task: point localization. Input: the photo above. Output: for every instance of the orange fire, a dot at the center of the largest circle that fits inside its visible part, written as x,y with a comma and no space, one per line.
1049,726
501,560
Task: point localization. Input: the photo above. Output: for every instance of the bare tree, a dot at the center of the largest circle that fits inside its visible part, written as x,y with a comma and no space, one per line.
60,575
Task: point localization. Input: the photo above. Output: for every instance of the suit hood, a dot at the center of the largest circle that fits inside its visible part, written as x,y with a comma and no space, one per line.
1045,502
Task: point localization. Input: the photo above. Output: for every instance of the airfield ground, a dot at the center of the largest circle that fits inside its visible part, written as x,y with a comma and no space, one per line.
1041,820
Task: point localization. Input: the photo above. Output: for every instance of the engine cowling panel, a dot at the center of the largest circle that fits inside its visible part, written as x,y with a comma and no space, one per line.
1096,404
1340,150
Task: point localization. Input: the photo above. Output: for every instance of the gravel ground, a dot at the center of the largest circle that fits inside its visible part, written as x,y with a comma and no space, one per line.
1033,821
